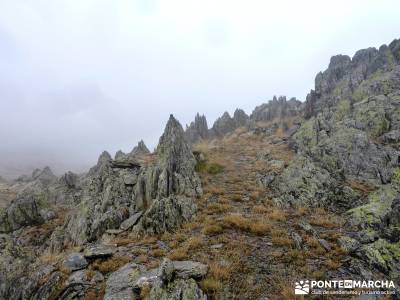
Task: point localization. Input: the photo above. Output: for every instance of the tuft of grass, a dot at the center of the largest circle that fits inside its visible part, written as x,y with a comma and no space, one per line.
277,214
111,264
178,254
260,227
214,168
212,229
237,221
210,285
218,208
219,271
158,253
210,168
326,221
145,291
332,265
194,243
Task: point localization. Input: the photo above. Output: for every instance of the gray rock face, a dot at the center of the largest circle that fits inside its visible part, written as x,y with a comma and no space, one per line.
23,211
45,176
140,149
240,118
70,179
172,280
277,108
166,214
197,130
75,261
189,269
96,251
119,285
351,134
351,78
126,192
306,183
132,220
223,125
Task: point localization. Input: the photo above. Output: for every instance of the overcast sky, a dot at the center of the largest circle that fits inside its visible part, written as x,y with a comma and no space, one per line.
81,76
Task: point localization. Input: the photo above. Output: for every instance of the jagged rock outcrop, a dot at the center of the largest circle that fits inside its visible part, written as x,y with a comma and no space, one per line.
240,118
277,109
227,124
45,176
197,130
23,211
160,196
370,72
350,136
140,149
223,125
172,280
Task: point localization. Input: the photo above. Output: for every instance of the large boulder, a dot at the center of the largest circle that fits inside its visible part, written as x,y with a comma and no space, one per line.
23,211
124,193
172,280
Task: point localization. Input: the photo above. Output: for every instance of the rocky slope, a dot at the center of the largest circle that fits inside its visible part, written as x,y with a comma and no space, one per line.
235,211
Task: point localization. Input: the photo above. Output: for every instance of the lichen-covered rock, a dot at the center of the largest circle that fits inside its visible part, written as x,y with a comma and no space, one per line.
23,211
197,130
166,214
306,183
97,251
348,244
75,261
139,150
384,256
119,285
277,108
124,192
177,290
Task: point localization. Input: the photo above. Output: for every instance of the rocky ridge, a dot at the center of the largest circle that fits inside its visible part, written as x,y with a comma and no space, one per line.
319,180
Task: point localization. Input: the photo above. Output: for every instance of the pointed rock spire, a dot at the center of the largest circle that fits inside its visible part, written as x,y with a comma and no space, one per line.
140,149
197,130
173,150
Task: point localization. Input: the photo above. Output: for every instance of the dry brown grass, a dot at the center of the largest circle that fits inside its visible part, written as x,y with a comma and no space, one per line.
327,221
331,264
214,208
123,241
363,188
301,211
280,132
260,209
260,227
283,241
92,294
277,214
145,291
214,190
255,226
194,243
236,221
281,237
211,285
179,254
111,264
158,253
219,272
212,229
236,197
143,258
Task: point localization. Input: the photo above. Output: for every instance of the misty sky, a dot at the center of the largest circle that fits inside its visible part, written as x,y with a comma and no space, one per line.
78,77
